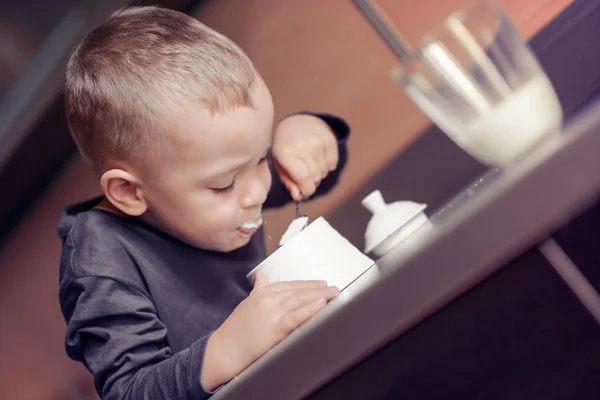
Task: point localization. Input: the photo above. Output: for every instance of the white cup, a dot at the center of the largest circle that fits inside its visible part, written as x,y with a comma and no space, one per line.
479,81
318,252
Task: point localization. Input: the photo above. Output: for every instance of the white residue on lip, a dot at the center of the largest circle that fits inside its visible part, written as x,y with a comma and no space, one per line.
256,223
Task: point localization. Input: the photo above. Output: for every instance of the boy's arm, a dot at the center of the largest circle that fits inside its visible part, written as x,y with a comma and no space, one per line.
279,194
114,330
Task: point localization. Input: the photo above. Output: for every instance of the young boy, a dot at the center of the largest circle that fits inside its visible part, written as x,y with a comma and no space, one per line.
178,126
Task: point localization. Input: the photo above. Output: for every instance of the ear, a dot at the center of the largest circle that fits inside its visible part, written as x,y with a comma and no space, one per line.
123,190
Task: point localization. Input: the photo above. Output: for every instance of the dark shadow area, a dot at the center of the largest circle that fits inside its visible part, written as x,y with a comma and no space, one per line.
519,335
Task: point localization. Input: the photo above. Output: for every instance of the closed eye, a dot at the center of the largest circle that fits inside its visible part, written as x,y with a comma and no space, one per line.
230,188
225,189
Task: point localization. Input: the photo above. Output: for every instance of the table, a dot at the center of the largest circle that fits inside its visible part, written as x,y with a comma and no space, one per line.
515,209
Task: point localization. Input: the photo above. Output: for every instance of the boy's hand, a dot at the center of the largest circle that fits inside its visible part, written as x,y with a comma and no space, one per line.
304,151
258,323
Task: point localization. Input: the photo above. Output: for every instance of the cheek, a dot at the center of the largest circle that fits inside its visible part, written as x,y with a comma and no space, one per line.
220,215
265,176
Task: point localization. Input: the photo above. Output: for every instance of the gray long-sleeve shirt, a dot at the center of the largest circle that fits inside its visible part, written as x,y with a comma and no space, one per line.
140,304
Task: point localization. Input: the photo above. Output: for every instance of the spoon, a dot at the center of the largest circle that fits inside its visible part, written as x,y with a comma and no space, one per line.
296,225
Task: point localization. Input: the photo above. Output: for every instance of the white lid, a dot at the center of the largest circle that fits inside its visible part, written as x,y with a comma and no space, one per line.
387,218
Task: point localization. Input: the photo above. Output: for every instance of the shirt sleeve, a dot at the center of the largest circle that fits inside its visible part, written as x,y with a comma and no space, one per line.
280,196
115,331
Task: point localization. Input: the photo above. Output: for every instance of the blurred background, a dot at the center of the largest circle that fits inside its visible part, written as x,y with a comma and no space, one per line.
313,54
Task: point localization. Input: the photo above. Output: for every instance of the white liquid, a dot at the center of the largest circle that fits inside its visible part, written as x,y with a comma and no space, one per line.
509,129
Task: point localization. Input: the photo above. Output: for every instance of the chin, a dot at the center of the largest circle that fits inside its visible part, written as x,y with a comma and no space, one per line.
223,247
235,244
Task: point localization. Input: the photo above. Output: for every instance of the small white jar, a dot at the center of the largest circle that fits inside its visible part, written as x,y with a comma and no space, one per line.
390,223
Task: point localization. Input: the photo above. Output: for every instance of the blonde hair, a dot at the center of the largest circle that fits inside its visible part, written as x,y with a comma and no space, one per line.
143,63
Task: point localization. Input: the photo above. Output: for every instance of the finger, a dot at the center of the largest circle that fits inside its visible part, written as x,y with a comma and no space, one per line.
304,174
322,164
295,192
308,185
260,280
312,165
296,285
292,320
307,188
332,157
294,299
318,168
287,180
291,187
298,170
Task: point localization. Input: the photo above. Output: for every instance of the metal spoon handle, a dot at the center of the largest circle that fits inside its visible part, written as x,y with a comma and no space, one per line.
384,28
298,210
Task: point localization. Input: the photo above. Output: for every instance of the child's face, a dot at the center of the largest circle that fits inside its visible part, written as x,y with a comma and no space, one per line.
211,195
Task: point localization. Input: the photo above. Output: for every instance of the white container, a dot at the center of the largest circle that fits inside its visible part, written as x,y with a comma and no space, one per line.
317,252
390,223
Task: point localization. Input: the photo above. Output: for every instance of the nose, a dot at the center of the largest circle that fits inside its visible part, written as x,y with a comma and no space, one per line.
255,193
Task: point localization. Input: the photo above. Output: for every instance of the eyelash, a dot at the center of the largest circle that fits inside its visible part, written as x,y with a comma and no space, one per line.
225,189
230,187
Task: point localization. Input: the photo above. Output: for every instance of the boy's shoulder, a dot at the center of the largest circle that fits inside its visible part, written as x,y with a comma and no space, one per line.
97,244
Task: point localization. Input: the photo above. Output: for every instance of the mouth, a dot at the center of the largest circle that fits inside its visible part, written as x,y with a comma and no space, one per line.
249,227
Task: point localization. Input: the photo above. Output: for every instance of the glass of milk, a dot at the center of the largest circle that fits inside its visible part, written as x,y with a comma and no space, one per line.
478,80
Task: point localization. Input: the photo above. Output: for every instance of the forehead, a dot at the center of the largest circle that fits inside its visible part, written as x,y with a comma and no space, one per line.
212,140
